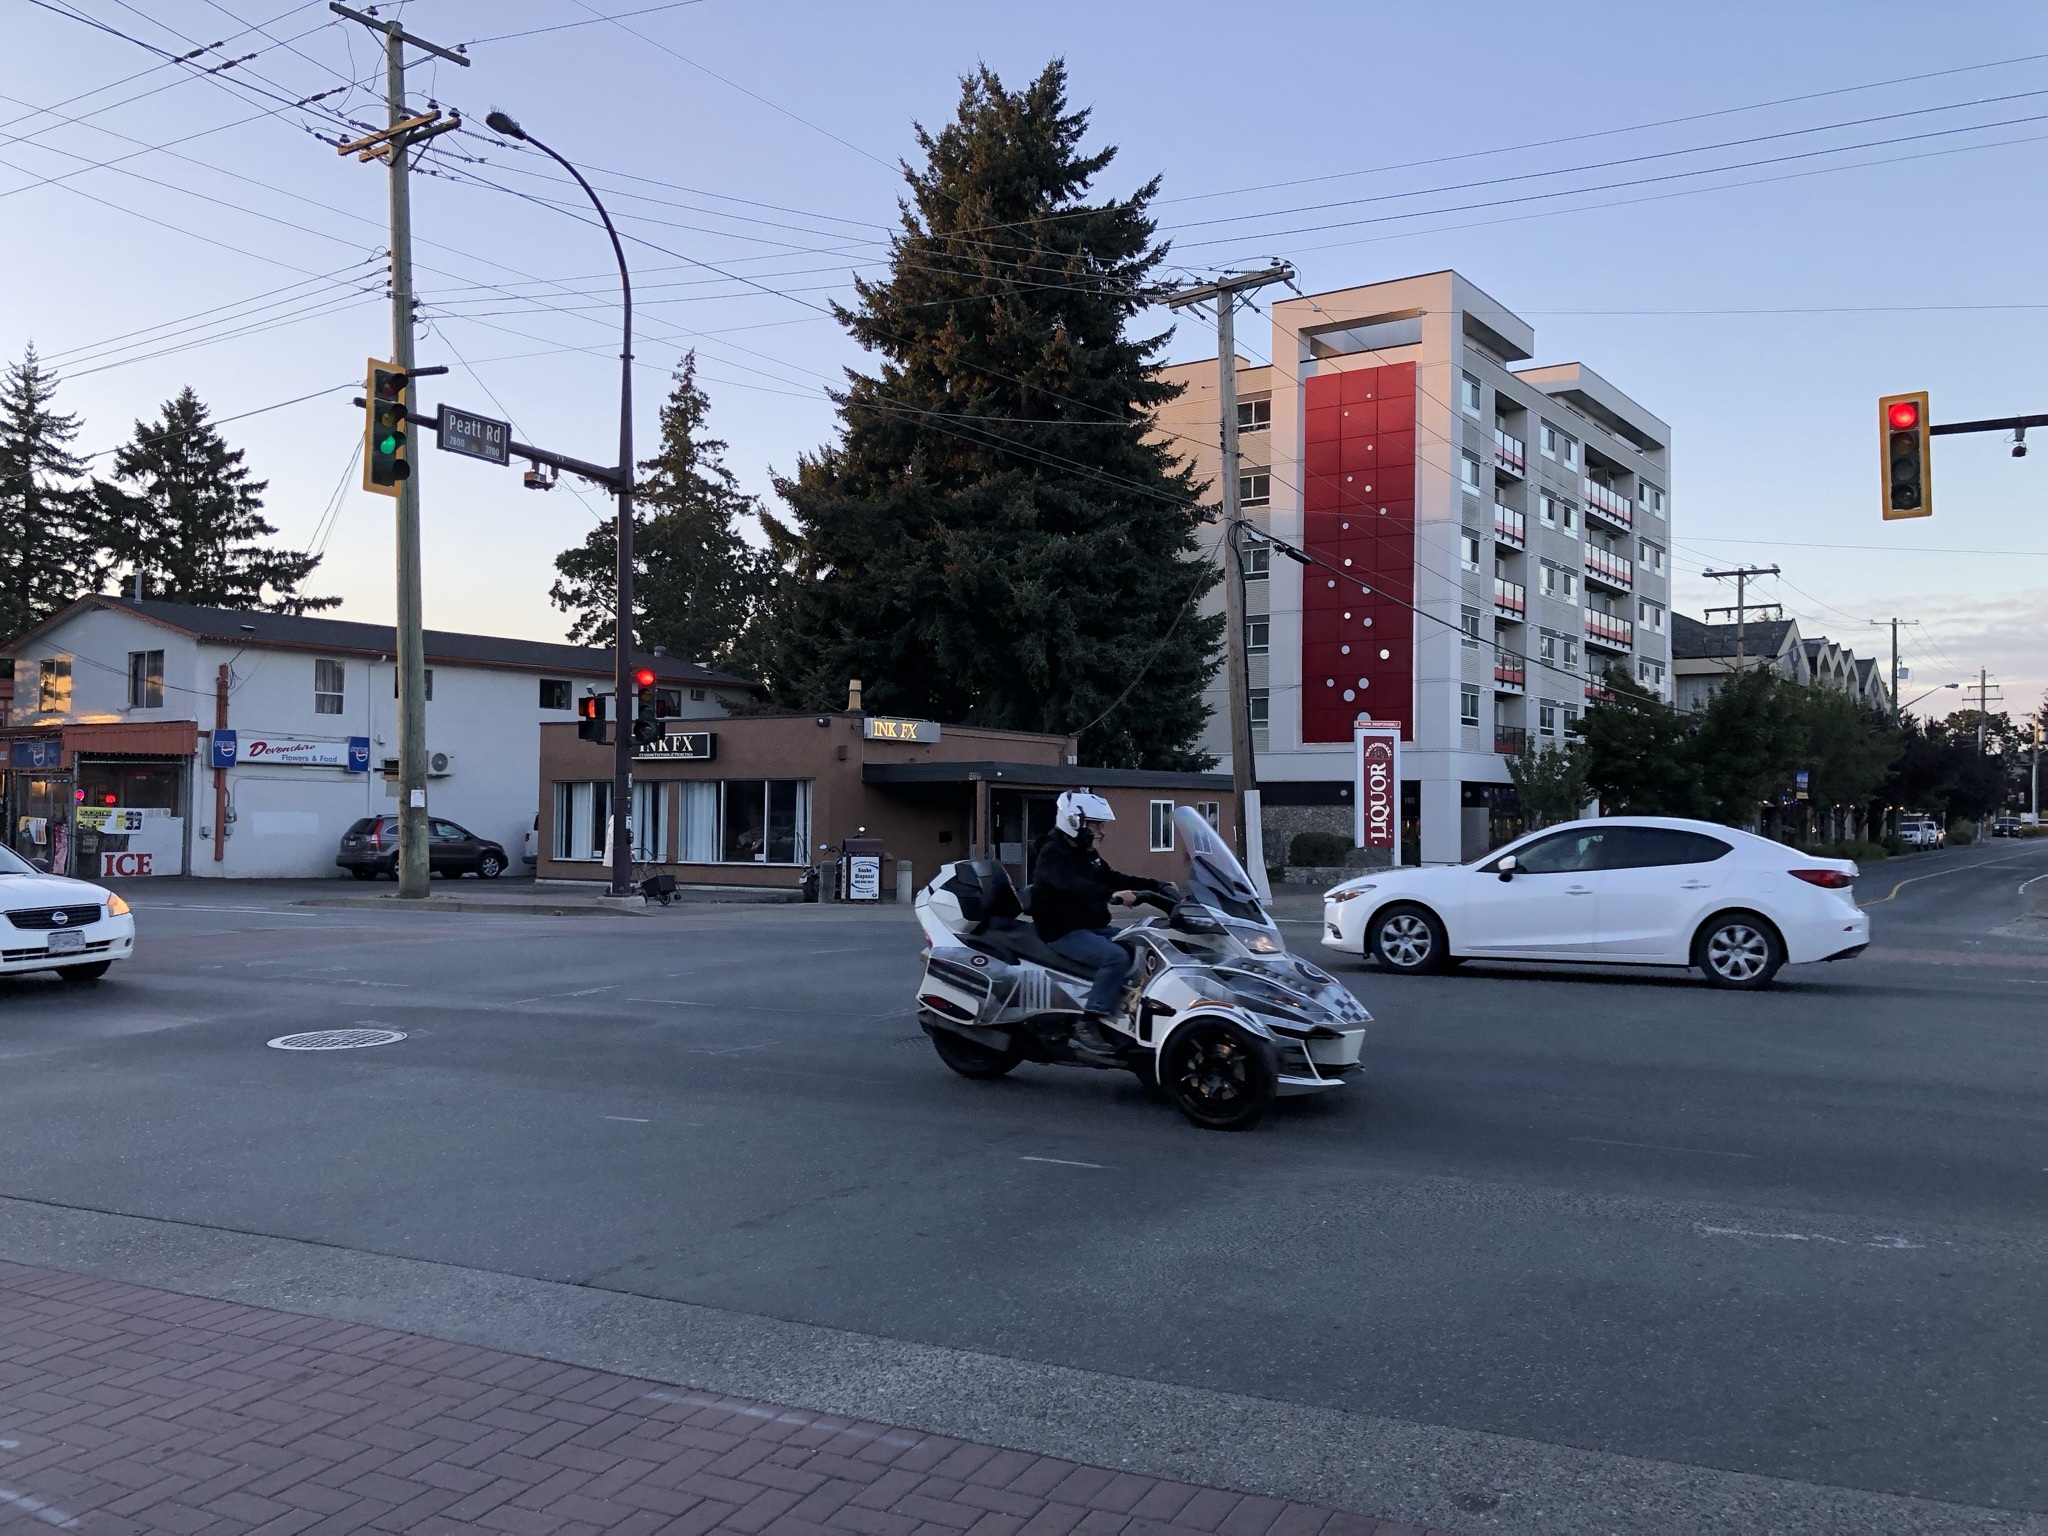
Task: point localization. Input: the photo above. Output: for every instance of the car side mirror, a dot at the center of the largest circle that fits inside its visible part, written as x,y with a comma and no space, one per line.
41,866
1507,867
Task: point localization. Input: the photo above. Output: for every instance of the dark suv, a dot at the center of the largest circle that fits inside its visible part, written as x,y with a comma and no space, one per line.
370,848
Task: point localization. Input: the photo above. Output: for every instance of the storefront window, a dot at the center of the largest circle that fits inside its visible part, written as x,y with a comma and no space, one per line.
581,810
766,821
650,827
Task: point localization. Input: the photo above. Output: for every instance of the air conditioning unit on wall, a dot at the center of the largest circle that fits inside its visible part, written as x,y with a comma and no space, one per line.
440,764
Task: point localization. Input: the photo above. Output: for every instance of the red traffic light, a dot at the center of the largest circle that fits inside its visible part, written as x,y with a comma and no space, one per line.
644,678
1904,415
590,707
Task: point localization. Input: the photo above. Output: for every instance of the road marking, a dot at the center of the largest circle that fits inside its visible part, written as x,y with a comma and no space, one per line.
1064,1162
550,996
630,1119
2035,881
1937,874
673,1002
1808,1237
45,1512
1658,1146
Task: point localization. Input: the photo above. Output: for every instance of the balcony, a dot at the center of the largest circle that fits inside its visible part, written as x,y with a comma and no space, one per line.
1609,632
1616,571
1599,693
1510,739
1510,676
1510,599
1510,527
1509,453
1604,501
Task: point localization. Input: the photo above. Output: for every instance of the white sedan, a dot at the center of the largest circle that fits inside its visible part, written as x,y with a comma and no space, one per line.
1623,890
53,923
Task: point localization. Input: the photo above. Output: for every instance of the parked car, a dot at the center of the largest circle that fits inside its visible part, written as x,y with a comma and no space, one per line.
1921,832
1624,890
55,923
2005,826
370,848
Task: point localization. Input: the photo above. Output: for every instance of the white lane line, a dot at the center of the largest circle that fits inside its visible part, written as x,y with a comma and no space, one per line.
1809,1237
673,1002
49,1513
1657,1146
1064,1162
630,1119
2035,881
551,996
785,1416
10,1445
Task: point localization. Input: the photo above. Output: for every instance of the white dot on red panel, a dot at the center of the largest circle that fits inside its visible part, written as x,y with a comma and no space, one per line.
1347,562
1343,650
1363,683
1386,655
1368,621
1349,695
1347,615
1329,682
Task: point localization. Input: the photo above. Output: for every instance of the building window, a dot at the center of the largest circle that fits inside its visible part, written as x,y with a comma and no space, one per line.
1258,561
1468,394
1651,498
1560,583
697,695
1653,556
1260,709
1468,550
1468,706
1546,718
764,821
1568,451
1546,440
1651,614
1162,826
581,813
1468,620
1256,634
145,679
327,687
53,685
1546,507
554,693
650,827
1650,674
668,703
429,694
1567,517
1468,472
1211,811
1254,490
1254,415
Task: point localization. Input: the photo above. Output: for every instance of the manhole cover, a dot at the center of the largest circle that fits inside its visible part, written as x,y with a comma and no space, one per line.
336,1039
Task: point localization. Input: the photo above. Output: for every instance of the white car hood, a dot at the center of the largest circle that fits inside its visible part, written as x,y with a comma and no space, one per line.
1407,878
18,891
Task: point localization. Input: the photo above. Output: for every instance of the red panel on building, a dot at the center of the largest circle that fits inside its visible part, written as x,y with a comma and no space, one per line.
1357,652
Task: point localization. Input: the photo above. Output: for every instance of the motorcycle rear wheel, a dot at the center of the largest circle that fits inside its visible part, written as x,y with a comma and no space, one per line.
970,1058
1221,1076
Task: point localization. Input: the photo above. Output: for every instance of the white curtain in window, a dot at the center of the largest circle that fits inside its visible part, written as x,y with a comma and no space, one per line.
697,821
650,827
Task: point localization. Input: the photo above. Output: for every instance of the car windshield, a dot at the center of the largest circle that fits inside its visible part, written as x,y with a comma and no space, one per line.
12,863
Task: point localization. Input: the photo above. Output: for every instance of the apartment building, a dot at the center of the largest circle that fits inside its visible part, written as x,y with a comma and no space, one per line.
1489,536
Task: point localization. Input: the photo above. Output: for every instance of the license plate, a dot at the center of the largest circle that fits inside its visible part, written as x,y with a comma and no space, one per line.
67,943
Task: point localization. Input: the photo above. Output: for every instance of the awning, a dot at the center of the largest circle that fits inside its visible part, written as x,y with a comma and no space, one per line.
1039,776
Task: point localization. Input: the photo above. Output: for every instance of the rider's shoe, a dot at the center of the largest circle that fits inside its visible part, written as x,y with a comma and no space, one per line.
1090,1038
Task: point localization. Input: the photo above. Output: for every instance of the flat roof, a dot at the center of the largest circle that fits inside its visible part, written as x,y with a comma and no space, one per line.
1052,775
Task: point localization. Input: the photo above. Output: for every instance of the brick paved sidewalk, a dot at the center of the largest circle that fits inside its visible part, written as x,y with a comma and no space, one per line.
125,1409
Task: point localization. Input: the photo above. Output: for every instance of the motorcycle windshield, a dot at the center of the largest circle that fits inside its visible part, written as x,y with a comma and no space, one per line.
1215,878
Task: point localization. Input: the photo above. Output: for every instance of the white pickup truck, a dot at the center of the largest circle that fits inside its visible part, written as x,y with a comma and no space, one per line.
1921,832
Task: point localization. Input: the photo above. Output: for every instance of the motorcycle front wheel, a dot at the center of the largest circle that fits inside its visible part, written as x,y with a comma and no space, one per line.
1221,1075
970,1058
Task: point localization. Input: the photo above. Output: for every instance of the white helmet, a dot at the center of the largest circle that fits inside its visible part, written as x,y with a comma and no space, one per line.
1078,807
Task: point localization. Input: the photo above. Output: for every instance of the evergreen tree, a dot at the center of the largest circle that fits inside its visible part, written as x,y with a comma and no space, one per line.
1751,740
697,585
1550,781
993,539
1638,757
45,554
185,513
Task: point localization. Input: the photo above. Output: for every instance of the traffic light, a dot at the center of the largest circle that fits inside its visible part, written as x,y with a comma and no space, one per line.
387,455
646,720
590,718
1902,431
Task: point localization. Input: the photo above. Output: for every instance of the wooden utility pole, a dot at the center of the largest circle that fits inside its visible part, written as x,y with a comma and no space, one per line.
1742,604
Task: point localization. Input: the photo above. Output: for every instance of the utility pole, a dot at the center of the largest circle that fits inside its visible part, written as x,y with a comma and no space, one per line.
1894,623
395,145
1223,293
1742,605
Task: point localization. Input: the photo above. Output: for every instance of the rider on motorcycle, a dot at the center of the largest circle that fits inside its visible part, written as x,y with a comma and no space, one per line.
1071,889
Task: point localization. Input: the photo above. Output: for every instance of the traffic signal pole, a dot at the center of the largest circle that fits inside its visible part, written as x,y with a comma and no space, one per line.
413,871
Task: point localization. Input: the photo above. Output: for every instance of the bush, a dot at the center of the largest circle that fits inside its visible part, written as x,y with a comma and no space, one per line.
2033,829
1962,834
1318,850
1862,853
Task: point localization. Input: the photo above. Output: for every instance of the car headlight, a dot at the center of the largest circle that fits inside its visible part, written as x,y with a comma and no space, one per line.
1355,891
116,906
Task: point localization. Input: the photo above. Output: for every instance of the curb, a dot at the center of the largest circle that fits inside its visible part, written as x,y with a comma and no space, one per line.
526,908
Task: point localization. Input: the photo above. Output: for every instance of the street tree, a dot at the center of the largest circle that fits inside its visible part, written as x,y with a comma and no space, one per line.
183,512
1550,781
1847,750
698,585
1638,757
45,550
996,537
1749,742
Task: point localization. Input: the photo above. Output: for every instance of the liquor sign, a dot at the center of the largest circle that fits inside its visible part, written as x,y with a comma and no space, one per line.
882,728
473,436
680,746
1377,791
294,751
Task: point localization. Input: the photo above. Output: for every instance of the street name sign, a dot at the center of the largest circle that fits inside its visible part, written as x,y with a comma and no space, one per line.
473,436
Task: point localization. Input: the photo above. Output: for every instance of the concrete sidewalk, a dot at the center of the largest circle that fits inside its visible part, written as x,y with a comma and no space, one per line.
125,1410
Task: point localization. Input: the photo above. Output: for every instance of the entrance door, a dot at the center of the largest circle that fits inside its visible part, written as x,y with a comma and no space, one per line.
131,817
1019,818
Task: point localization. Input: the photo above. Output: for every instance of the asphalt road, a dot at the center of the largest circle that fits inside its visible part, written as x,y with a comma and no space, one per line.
1797,1234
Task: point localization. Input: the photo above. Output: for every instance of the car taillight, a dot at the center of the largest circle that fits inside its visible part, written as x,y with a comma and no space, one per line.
1826,879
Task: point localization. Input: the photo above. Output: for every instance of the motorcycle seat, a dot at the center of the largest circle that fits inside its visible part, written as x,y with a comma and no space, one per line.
1015,939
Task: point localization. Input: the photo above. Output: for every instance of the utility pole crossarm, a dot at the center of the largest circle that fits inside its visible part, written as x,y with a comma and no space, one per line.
394,30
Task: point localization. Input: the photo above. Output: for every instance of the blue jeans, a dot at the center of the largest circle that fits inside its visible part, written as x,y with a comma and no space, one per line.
1091,946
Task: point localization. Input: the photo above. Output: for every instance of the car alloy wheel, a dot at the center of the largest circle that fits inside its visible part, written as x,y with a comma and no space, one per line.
1406,940
490,866
1739,950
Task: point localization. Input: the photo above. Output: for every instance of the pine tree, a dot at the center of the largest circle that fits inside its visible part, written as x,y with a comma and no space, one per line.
184,511
697,584
45,555
994,539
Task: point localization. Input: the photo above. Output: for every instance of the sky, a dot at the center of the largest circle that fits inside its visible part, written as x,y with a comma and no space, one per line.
1754,218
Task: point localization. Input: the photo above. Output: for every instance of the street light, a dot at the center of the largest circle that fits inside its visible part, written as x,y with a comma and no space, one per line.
622,744
1928,694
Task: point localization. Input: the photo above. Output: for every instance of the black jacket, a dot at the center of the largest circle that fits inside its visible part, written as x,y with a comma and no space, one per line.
1071,887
